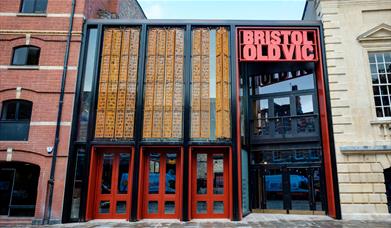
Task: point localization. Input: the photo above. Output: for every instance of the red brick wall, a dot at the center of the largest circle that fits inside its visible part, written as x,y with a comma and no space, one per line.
42,87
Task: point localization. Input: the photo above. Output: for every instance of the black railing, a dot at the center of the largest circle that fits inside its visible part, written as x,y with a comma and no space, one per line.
285,126
14,130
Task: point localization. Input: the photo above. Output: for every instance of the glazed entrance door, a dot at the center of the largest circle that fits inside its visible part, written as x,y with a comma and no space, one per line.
209,185
288,189
161,189
113,185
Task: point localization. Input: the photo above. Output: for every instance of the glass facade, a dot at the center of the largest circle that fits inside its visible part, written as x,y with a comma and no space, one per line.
157,125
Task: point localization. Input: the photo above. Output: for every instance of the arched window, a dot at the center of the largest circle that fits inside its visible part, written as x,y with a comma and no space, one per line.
26,55
15,120
19,182
33,6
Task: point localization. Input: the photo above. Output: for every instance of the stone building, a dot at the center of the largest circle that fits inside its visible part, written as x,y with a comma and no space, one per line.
357,36
38,67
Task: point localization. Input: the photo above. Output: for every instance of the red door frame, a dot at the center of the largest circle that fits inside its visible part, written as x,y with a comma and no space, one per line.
94,181
324,122
227,151
209,197
143,195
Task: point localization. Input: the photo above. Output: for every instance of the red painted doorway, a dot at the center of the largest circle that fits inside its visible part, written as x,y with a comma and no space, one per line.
209,187
161,183
112,184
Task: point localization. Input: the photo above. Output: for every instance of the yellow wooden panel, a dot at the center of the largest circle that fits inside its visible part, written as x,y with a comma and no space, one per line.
129,124
135,42
205,42
196,45
177,124
157,124
196,69
195,124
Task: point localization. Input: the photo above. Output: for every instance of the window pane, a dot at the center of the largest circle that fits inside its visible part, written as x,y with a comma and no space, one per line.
375,79
40,6
123,176
218,174
376,90
78,182
104,207
169,207
154,173
387,111
27,6
170,173
201,173
201,207
153,207
218,207
107,171
377,101
9,111
379,57
33,56
24,111
371,57
121,207
20,56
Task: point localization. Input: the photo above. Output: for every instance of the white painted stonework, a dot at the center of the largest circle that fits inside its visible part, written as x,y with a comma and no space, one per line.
352,28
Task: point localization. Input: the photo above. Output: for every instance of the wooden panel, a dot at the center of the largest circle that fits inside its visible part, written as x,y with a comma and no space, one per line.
163,102
223,120
117,82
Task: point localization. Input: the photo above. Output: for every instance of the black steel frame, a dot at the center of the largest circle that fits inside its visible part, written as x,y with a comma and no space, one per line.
185,142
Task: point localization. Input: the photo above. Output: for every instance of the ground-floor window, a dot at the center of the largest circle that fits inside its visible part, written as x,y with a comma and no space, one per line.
18,188
387,181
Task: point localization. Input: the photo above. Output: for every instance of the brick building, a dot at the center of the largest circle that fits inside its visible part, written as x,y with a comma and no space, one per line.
38,68
358,54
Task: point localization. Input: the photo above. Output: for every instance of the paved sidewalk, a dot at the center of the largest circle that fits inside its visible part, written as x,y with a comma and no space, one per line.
253,220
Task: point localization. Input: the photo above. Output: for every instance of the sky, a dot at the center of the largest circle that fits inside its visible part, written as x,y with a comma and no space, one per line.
224,9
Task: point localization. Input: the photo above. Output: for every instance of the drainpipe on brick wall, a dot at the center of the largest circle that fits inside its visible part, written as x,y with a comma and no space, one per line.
48,208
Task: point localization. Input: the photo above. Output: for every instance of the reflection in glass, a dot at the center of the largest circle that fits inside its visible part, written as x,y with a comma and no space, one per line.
153,207
104,207
121,207
123,170
317,190
154,173
201,207
295,84
262,114
273,189
218,174
170,173
282,113
305,106
201,173
169,207
299,188
107,170
218,207
85,98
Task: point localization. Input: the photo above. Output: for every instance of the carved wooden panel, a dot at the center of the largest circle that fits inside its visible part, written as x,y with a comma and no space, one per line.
163,100
117,84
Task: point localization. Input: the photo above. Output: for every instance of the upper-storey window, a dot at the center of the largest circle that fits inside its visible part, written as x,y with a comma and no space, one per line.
33,6
26,55
15,120
380,64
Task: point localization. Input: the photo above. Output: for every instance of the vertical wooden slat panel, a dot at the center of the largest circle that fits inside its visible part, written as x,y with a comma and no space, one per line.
113,84
178,83
131,83
149,83
104,75
219,81
196,85
205,78
169,85
159,85
121,93
226,131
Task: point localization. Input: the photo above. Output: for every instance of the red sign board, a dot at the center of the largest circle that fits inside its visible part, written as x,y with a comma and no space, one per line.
277,45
